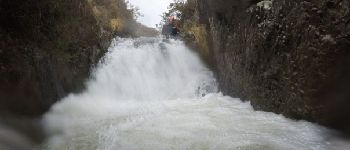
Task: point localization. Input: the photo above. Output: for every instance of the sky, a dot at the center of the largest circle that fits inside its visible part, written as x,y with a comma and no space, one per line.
151,10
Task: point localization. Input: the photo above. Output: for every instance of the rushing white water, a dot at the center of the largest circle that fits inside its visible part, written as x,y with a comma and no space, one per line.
148,94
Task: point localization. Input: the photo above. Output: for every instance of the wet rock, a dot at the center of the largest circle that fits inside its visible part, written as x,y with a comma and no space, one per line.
297,39
47,48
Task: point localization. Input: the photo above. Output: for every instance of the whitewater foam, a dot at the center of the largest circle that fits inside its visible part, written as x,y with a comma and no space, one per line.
150,94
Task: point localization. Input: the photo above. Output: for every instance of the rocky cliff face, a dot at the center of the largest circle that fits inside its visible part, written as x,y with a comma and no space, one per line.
289,57
47,48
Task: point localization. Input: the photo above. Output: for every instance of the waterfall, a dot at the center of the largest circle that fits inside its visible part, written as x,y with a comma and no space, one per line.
147,93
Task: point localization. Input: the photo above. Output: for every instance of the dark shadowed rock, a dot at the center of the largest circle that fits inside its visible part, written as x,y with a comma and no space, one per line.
289,57
47,48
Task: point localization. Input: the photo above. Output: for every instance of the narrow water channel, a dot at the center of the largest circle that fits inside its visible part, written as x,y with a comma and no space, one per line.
151,94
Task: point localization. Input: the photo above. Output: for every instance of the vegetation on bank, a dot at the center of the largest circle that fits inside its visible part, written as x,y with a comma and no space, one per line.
192,30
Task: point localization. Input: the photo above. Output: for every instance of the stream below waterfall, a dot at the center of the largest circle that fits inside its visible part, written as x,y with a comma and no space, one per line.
151,94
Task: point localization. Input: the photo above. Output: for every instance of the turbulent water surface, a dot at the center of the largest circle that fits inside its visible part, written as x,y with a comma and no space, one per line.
150,94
